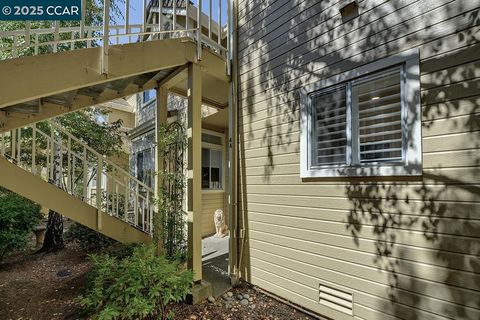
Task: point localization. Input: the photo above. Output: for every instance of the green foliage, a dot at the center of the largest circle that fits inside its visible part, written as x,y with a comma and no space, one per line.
88,239
18,217
94,17
105,138
139,286
122,250
169,223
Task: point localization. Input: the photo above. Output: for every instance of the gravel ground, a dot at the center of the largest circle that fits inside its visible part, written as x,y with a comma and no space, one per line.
44,286
243,302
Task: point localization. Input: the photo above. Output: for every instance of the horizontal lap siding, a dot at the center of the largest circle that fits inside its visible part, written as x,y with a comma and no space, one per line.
415,240
211,201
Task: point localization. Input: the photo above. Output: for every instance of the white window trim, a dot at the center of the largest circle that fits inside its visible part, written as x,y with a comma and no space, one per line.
411,116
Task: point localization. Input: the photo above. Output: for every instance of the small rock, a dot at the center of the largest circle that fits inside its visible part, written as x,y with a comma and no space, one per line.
246,296
211,299
244,302
225,296
230,294
63,273
250,299
193,317
239,297
252,306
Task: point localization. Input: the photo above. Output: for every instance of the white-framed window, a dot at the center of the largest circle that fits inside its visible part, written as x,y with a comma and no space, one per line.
147,96
364,122
212,161
145,163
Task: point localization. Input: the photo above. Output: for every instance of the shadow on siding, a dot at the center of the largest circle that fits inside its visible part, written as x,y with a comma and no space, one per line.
441,207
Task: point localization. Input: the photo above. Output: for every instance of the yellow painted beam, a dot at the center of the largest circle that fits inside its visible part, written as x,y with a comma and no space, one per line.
175,77
205,100
47,195
214,65
40,76
44,75
50,110
194,134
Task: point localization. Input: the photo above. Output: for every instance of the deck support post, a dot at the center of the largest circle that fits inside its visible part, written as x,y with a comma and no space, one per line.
160,123
194,183
106,37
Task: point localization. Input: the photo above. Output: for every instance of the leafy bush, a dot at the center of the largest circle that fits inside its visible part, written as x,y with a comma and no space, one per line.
121,250
18,217
137,287
88,239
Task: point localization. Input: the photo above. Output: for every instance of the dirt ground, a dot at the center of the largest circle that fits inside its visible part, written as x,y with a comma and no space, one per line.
44,286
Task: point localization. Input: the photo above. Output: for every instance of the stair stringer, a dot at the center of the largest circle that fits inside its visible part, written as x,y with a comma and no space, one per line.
39,191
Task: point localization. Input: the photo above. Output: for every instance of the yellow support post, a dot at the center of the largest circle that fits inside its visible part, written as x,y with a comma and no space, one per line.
161,121
194,170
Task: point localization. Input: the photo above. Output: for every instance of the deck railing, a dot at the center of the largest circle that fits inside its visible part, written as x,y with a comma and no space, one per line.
205,21
50,152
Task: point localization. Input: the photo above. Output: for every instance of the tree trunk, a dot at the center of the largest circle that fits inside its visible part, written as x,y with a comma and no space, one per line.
54,233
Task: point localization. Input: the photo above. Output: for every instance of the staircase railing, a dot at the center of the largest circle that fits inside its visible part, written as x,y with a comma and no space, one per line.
205,21
50,152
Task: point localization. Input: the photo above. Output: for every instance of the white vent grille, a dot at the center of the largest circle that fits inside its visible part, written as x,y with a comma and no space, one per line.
336,299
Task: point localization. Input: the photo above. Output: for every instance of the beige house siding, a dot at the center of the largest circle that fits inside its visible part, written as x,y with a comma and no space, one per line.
128,118
211,201
407,248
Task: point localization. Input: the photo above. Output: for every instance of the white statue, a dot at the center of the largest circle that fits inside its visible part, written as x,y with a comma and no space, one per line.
220,226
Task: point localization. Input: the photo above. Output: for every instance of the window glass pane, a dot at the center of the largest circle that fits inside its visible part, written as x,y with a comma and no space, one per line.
379,118
205,168
216,169
148,95
329,127
148,163
140,166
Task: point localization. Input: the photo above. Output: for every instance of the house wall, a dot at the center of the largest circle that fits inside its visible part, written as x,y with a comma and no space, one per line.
211,201
144,112
128,118
406,248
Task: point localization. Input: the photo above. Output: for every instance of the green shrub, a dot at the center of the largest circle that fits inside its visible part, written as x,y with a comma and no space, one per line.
88,239
18,217
139,286
121,250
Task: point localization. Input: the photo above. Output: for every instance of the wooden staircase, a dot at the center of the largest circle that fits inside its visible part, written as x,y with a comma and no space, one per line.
82,66
45,163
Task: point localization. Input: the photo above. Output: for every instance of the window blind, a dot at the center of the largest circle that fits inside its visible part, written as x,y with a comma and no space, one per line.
377,102
329,127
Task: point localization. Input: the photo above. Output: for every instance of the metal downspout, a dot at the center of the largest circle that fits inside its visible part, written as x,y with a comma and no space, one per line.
235,242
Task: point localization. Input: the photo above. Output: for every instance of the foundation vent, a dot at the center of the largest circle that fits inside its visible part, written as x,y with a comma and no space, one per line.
336,299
